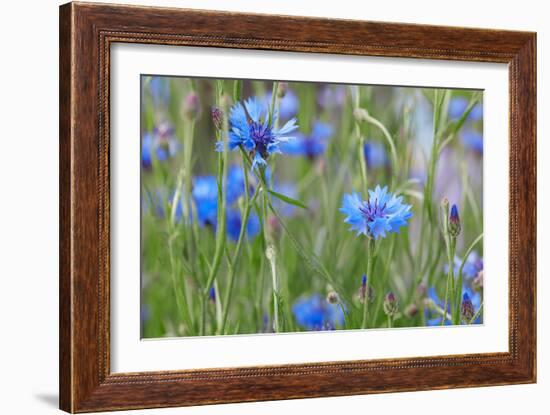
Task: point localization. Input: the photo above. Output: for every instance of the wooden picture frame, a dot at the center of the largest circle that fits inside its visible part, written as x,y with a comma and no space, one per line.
86,33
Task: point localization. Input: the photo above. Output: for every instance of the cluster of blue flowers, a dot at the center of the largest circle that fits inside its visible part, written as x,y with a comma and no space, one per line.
471,288
205,196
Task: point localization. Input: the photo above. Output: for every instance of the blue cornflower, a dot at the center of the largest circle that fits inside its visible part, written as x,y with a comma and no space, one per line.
382,212
472,140
472,266
251,129
310,146
288,105
234,222
235,184
316,313
375,155
458,105
146,145
205,196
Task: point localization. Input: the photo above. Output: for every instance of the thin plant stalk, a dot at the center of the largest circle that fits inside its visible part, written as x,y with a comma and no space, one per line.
271,257
222,179
370,266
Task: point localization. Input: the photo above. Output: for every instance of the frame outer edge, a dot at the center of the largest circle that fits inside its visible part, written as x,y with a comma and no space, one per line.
66,120
82,387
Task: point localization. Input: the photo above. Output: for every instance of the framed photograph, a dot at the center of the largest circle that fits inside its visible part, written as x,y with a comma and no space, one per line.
259,207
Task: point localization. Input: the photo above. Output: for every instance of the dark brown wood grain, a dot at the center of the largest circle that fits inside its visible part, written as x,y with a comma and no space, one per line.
86,33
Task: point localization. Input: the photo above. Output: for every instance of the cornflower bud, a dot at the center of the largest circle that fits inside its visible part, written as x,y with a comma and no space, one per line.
212,294
365,291
467,310
454,222
391,305
217,117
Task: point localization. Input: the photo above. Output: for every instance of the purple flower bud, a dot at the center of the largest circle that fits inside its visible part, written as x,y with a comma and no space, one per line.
467,310
212,294
454,222
391,305
365,290
217,117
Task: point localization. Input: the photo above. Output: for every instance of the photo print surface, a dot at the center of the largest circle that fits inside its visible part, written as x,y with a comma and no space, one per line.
273,206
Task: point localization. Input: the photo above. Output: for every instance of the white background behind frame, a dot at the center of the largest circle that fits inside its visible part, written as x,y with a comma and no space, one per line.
129,353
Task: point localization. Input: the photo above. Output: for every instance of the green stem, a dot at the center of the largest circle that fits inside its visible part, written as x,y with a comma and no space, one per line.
370,263
476,315
450,275
361,140
222,178
271,257
234,261
181,302
458,294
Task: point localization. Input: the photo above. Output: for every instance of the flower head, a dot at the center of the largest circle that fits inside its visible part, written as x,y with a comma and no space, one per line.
454,222
375,155
365,291
467,310
310,146
473,140
234,222
212,294
472,267
217,117
205,196
316,313
382,212
391,305
252,130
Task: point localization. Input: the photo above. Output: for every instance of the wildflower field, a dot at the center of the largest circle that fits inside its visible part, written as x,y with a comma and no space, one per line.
272,206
